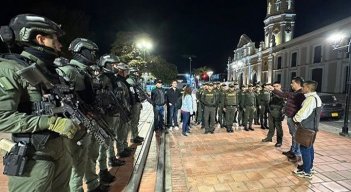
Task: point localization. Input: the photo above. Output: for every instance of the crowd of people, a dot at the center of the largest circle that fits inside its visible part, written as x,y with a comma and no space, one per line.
65,115
221,105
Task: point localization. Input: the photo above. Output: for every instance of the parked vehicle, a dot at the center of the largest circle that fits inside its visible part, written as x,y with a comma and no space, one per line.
331,108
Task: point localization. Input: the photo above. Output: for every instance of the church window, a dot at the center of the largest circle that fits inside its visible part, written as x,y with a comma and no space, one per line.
317,54
293,59
279,64
277,4
289,4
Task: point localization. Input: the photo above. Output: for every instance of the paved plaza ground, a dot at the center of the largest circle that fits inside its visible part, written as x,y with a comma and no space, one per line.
239,161
236,161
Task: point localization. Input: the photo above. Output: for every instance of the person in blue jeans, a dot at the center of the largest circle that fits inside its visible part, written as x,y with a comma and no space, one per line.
308,116
173,100
186,110
158,99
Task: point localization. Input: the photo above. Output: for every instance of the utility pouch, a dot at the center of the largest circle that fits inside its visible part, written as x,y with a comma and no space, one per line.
16,159
34,76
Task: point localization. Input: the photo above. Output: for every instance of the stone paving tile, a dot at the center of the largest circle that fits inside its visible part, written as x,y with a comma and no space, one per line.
335,187
346,184
241,162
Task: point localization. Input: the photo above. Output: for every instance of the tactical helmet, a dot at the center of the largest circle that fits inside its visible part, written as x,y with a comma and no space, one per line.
108,58
122,66
133,70
84,50
25,26
77,44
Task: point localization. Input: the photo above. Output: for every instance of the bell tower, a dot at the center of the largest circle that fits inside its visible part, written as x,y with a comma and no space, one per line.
279,22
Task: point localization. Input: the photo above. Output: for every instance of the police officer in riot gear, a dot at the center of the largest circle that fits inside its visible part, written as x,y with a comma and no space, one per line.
47,167
77,73
108,83
121,72
133,80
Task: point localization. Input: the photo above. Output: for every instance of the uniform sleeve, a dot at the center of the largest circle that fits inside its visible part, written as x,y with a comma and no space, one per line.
12,121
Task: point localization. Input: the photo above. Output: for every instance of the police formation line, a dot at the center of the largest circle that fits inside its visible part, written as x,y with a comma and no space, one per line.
64,115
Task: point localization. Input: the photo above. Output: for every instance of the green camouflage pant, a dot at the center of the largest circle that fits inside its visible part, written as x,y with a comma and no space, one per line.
44,176
79,155
91,178
136,109
275,122
113,122
250,112
209,118
229,116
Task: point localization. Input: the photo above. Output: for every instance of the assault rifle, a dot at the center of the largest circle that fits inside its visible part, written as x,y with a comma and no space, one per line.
144,96
62,101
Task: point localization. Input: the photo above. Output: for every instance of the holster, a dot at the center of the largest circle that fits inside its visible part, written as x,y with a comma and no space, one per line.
26,144
16,159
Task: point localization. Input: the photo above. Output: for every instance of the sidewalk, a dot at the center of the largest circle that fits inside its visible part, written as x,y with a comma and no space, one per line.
241,162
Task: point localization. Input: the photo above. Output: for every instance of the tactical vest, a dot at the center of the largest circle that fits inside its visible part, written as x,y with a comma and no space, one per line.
264,98
230,98
209,98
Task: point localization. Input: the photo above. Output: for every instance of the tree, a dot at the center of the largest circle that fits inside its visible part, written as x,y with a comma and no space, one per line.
161,69
125,48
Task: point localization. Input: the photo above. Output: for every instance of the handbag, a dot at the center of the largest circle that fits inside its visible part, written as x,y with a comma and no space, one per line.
305,136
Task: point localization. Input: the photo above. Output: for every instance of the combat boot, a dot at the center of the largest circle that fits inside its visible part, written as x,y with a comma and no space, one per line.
124,154
246,129
106,176
113,162
250,128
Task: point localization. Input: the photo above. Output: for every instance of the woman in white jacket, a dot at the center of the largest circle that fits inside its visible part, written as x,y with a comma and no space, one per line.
186,110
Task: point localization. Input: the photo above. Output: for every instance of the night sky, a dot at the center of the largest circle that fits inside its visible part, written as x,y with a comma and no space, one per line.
208,29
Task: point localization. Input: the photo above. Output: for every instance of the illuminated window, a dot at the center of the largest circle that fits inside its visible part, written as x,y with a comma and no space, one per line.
277,5
289,4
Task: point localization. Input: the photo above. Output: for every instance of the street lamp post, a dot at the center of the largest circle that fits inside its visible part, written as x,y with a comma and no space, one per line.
190,69
345,128
337,39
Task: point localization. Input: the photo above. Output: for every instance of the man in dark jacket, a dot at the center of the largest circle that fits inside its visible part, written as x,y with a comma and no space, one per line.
173,98
293,104
159,100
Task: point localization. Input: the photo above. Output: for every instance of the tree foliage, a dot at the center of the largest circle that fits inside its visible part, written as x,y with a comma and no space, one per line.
161,69
124,46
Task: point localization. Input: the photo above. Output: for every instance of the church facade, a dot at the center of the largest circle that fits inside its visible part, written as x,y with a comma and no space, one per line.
280,57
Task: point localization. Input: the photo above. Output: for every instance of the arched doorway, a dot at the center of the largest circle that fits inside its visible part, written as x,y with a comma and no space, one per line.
317,75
